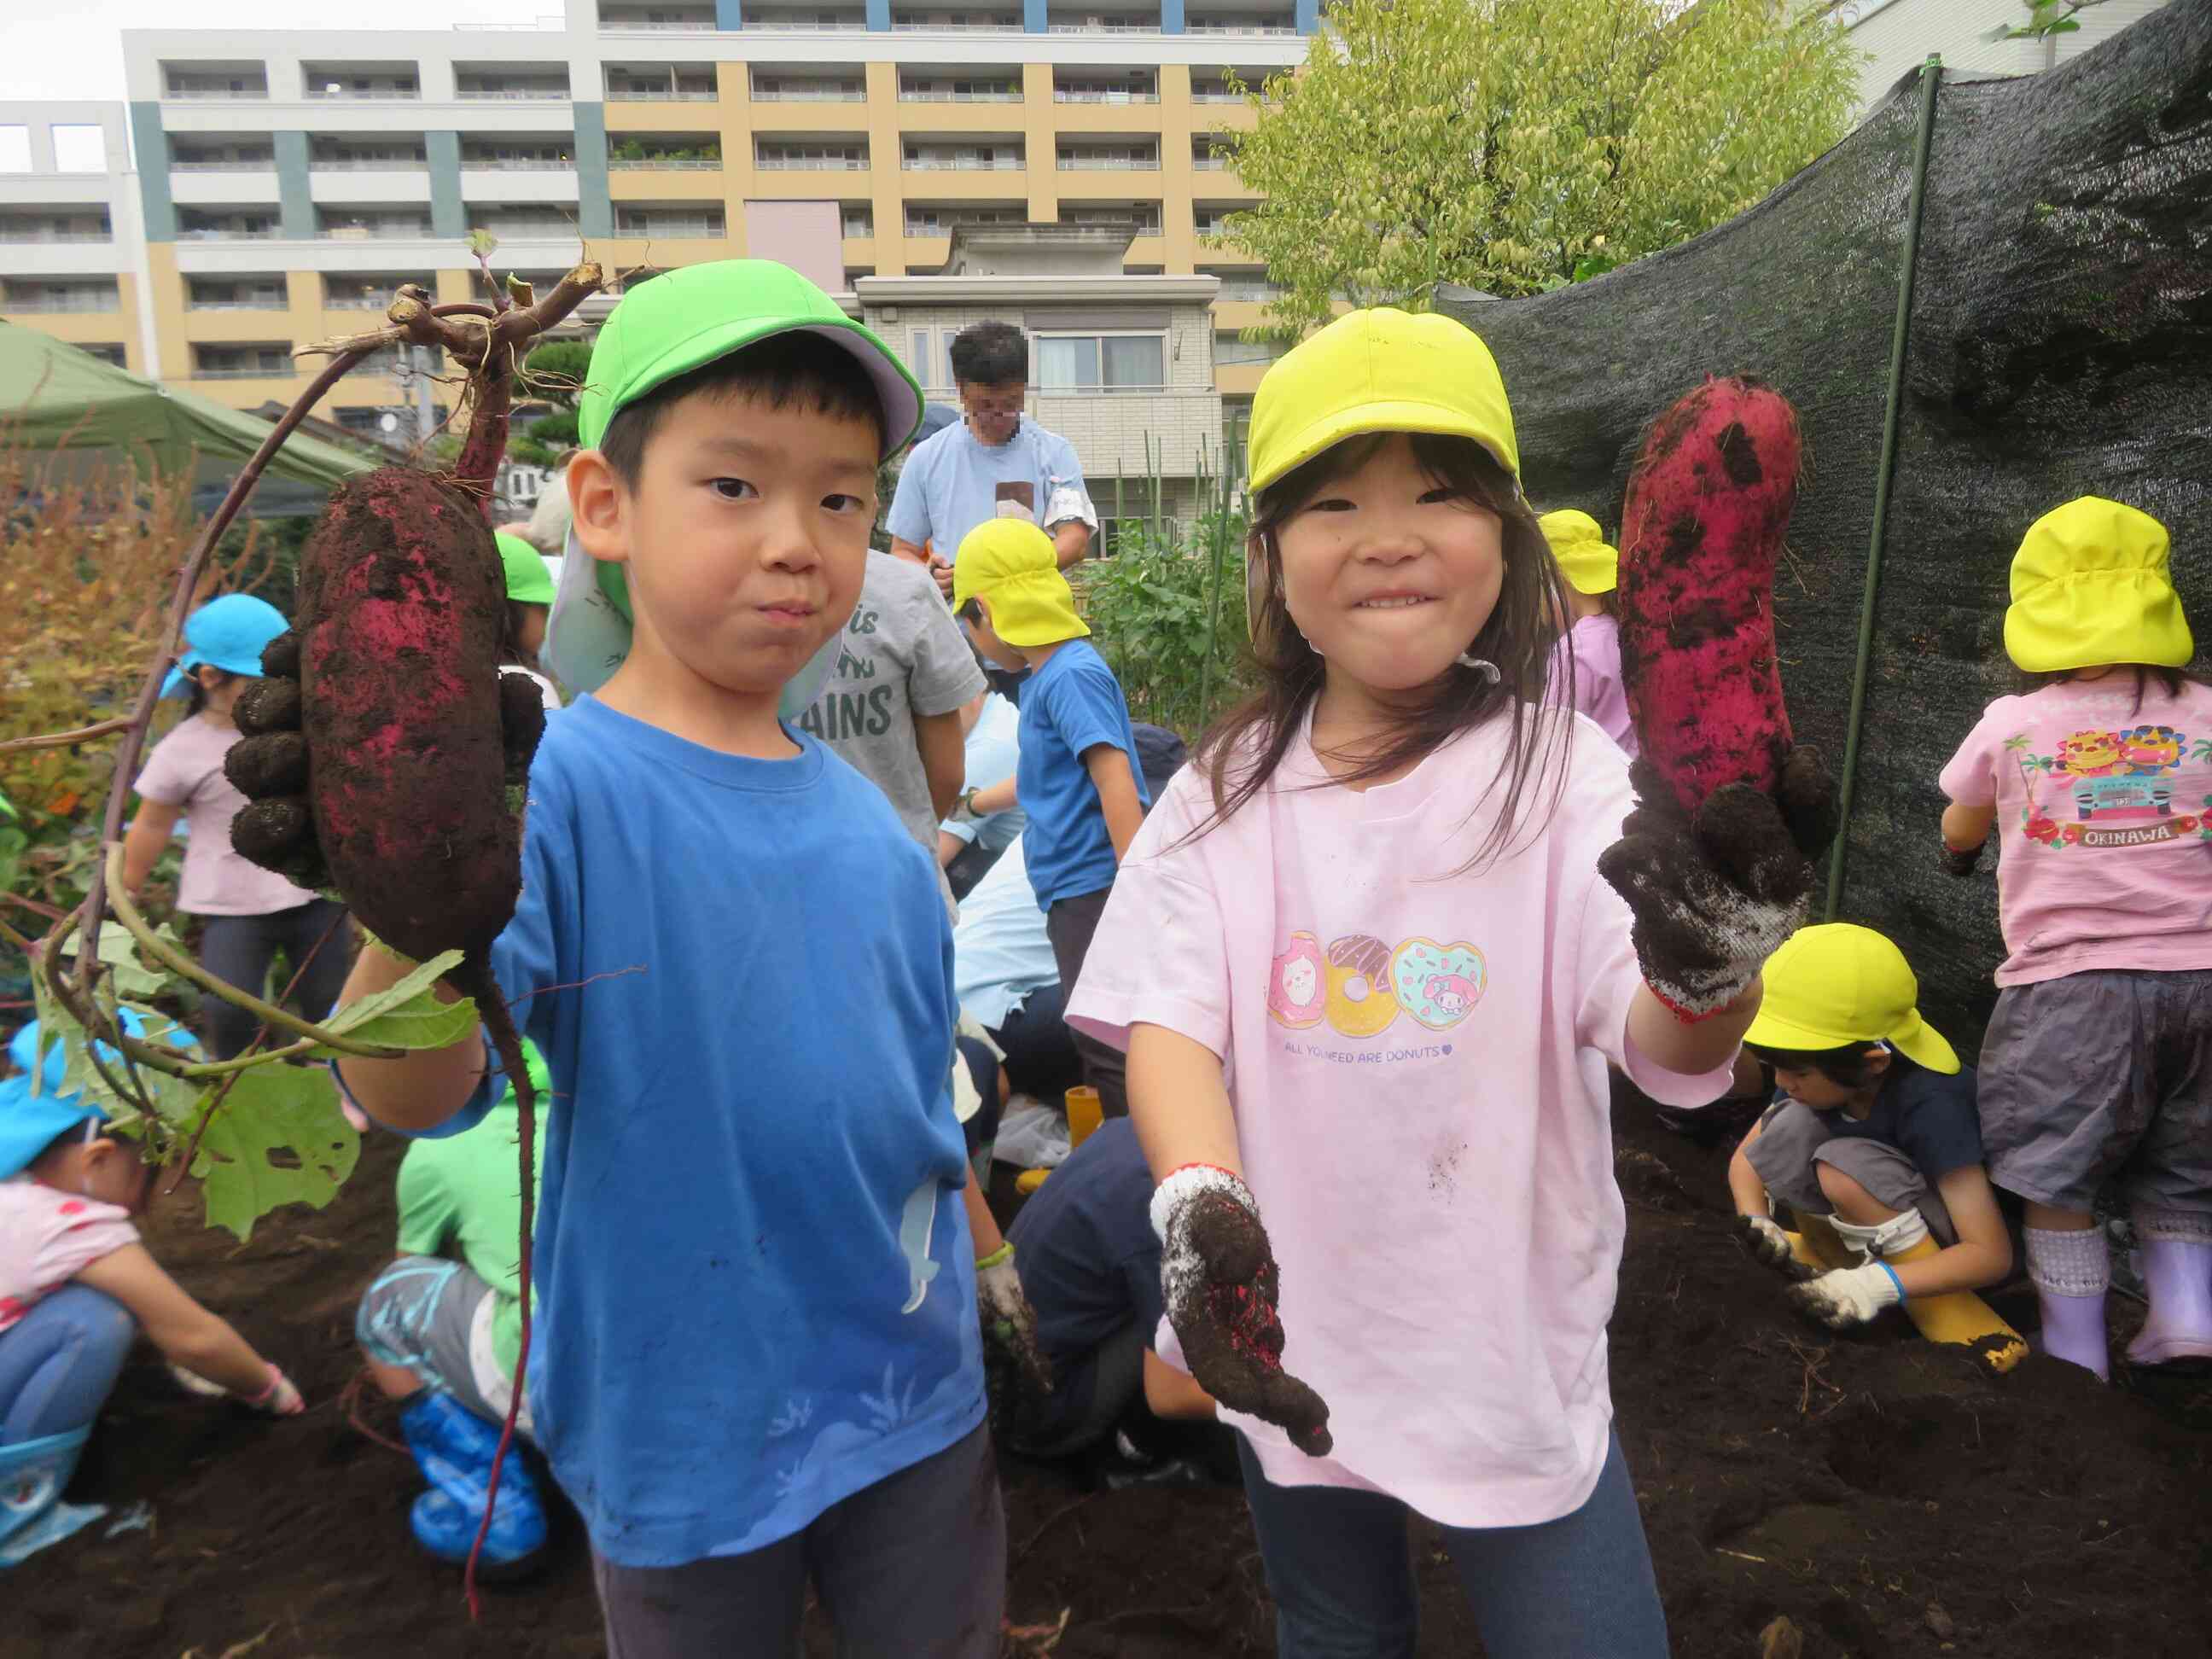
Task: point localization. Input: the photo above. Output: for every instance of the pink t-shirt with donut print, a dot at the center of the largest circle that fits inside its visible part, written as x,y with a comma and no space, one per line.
1418,1064
47,1237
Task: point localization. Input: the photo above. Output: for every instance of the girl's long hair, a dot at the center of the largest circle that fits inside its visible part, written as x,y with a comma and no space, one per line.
1241,752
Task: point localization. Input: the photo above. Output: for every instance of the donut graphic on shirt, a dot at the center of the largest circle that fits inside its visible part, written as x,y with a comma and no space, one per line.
1296,982
1438,984
1360,1001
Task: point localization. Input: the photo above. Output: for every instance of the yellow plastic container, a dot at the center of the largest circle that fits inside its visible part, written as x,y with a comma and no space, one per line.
1084,1114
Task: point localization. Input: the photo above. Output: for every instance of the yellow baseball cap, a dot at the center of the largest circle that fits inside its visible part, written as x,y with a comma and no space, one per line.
1835,985
1013,564
1379,371
1589,565
2091,586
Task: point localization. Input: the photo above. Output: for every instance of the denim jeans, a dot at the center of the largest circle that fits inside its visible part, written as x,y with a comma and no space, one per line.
1340,1568
59,1362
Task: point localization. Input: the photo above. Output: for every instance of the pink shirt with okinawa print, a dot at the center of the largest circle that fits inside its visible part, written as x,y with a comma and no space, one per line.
1418,1062
2103,825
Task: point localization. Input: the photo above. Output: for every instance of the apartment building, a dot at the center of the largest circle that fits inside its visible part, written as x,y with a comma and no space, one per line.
1898,34
287,182
70,241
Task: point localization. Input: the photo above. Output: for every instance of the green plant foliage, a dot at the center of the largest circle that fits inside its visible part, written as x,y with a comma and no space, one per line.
1151,606
278,1139
2044,18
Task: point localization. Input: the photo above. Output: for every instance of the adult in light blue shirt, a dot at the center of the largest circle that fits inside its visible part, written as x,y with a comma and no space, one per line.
993,745
994,461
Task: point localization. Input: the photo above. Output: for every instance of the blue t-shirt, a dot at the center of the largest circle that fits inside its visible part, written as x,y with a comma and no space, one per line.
758,1290
951,483
1072,703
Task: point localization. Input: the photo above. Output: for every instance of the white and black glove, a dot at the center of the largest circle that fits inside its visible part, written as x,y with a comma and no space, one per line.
1008,1319
1763,1237
1849,1296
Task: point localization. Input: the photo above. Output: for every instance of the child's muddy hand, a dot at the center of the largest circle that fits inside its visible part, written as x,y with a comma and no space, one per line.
280,1398
1848,1297
268,765
1962,862
1763,1237
1009,1321
1220,1278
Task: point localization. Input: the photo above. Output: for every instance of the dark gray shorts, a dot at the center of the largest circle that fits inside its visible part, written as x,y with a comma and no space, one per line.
2098,1076
1795,1140
427,1315
915,1565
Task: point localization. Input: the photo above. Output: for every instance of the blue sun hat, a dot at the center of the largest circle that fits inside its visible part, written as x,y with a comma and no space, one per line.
34,1113
229,632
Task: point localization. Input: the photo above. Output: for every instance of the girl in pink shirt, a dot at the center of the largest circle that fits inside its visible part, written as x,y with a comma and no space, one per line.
1586,662
1369,977
2098,1063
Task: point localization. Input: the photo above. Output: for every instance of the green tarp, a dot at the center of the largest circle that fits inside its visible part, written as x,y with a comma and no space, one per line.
54,397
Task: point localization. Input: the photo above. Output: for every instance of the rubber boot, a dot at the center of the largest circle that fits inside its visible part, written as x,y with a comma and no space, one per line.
1960,1317
1815,1244
455,1447
32,1474
2070,1271
2178,1274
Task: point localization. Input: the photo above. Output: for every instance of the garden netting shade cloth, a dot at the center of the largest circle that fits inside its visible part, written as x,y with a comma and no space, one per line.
2061,346
54,397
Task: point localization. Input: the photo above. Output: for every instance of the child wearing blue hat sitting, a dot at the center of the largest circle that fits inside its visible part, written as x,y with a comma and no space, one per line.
75,1285
250,913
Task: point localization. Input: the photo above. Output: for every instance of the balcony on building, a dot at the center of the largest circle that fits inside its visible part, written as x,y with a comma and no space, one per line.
1210,218
615,15
368,152
1216,90
939,218
356,292
349,83
807,83
663,152
518,152
984,83
1107,153
372,223
981,20
525,223
512,83
113,353
806,20
1243,285
214,82
1099,17
1210,154
265,291
670,222
1137,218
87,223
944,152
51,299
221,152
811,152
858,220
262,222
1231,350
1087,85
269,360
1250,17
660,83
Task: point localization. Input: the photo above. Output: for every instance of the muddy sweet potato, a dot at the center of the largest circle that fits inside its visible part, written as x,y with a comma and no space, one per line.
1708,503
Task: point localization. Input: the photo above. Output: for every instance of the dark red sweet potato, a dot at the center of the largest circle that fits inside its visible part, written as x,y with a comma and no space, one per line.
1708,503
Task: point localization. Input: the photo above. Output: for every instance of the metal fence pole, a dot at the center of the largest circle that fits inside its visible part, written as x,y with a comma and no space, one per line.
1931,78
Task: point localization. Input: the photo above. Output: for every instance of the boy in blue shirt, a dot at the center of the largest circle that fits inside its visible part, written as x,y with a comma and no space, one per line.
759,1361
1078,779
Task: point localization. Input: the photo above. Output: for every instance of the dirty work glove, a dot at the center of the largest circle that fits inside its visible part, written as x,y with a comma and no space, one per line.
1763,1237
269,764
1715,896
1008,1319
1962,862
1849,1296
1220,1279
279,1399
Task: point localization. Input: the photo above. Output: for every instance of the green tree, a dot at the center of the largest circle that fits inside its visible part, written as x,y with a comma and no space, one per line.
2044,18
1512,145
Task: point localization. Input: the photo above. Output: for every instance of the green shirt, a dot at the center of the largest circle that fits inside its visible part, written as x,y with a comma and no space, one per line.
459,1196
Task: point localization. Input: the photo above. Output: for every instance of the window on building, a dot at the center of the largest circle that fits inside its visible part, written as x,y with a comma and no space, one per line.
1101,362
1232,349
14,149
860,219
79,148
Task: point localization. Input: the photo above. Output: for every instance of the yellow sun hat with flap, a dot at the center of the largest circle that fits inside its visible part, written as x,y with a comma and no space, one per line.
1381,370
1837,985
2090,584
1590,564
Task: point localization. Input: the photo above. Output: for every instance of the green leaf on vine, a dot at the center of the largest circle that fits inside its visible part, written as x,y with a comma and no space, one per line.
278,1138
119,954
409,1014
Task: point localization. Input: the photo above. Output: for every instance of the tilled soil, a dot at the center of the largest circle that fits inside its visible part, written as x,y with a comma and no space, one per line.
1879,1493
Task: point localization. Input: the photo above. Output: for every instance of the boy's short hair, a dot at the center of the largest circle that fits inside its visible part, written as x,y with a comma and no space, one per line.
797,370
1846,1066
990,353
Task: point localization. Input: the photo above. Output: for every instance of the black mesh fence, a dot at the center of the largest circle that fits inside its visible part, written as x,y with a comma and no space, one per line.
2061,346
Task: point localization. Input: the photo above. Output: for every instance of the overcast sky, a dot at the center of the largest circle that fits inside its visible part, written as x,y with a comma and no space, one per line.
73,48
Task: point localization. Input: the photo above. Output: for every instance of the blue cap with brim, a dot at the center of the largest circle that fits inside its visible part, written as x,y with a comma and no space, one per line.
34,1113
229,633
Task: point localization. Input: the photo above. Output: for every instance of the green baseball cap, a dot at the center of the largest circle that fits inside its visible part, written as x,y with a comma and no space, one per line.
528,580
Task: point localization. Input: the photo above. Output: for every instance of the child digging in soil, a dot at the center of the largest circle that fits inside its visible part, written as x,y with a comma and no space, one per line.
1876,1149
442,1325
2098,1063
75,1288
1078,779
760,1358
250,914
1369,975
1586,665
